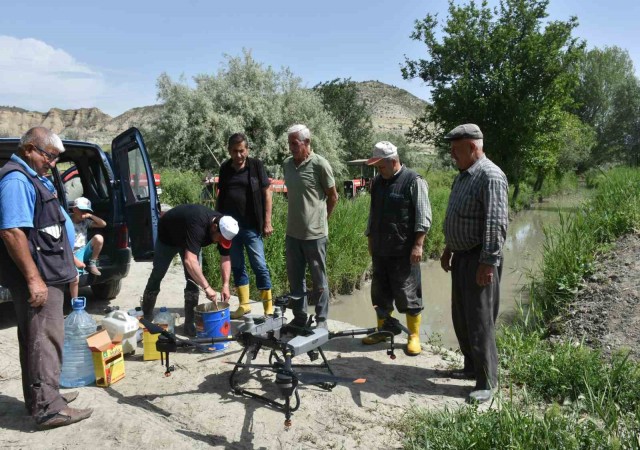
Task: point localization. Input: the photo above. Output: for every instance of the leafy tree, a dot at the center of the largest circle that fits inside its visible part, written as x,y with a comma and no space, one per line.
504,68
563,150
341,99
243,96
608,99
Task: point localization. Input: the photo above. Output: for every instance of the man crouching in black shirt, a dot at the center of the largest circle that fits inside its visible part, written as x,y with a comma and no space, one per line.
184,230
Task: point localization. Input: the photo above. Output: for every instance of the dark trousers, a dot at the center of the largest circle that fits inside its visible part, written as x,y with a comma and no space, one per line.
474,310
395,278
41,337
299,254
162,258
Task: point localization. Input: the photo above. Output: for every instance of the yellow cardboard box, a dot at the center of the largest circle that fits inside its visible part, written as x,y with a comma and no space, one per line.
108,360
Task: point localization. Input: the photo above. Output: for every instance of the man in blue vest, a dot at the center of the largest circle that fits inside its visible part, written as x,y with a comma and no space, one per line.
36,262
399,219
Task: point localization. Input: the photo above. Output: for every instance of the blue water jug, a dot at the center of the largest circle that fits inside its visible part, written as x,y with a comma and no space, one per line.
77,363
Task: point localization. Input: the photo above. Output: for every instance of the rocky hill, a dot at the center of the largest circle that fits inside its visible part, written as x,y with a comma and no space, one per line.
88,124
392,108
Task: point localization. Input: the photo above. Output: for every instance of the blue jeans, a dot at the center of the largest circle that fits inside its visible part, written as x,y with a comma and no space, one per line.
162,257
250,239
314,253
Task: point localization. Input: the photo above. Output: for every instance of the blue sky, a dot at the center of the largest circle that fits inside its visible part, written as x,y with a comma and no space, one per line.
109,54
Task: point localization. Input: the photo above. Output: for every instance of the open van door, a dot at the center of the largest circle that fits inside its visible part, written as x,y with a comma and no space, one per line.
134,175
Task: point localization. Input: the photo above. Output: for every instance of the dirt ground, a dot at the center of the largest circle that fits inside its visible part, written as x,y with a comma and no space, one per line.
195,408
606,313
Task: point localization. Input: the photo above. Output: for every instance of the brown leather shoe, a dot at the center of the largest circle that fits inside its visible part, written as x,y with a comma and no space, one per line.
67,416
70,396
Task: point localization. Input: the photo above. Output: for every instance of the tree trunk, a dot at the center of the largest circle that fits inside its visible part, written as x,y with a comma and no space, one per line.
539,181
516,191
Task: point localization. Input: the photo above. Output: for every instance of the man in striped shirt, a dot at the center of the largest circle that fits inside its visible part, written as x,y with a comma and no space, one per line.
399,219
475,228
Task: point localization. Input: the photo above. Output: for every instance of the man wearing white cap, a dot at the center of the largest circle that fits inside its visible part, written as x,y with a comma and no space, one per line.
184,230
399,219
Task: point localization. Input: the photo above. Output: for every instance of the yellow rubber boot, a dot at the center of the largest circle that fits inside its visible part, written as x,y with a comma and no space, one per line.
413,345
267,303
375,339
245,307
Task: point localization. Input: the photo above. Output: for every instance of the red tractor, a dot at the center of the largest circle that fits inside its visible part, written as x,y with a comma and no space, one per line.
362,175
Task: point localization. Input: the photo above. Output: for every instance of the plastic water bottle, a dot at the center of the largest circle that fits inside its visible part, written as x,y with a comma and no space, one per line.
165,318
77,363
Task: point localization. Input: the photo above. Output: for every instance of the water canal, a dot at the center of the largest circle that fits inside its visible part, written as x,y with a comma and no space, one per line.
523,254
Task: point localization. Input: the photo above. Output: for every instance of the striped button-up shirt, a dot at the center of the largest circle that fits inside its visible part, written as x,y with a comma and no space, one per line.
478,211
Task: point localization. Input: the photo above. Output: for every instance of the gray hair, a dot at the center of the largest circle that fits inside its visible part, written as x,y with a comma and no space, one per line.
478,143
42,137
301,130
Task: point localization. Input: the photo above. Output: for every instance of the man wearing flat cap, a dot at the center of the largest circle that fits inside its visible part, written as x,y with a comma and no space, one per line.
399,219
475,228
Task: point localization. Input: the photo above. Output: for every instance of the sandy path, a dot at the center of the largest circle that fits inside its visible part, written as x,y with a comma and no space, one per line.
194,408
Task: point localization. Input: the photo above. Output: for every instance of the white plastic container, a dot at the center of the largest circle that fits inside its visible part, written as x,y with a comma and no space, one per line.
119,323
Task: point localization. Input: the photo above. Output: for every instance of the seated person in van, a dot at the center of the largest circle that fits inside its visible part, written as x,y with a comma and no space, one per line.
86,252
71,234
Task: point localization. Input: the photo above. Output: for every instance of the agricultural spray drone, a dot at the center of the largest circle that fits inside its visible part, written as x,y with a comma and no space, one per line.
284,342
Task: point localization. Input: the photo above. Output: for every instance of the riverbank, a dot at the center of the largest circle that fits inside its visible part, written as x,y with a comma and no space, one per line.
606,311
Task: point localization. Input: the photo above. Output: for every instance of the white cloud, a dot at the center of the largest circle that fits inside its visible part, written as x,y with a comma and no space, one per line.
36,76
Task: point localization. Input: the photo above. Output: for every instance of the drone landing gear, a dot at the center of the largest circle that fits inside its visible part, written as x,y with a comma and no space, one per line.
287,378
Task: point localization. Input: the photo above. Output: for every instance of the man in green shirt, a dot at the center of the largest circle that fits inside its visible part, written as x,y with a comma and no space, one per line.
312,196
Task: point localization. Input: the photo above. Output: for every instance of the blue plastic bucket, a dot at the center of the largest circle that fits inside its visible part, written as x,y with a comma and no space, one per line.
213,323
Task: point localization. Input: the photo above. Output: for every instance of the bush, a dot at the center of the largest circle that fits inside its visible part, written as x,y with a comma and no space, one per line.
180,186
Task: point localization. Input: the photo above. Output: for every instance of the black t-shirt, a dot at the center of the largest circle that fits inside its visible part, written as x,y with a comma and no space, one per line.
239,192
238,203
187,226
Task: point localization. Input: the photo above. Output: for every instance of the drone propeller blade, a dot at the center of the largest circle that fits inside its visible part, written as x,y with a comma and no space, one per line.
315,378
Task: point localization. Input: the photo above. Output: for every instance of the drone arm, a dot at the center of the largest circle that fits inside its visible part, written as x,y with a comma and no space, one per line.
352,333
361,331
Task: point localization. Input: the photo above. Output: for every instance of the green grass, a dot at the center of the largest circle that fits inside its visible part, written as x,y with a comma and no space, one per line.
512,425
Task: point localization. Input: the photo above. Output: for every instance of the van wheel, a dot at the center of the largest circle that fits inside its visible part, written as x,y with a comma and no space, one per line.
107,291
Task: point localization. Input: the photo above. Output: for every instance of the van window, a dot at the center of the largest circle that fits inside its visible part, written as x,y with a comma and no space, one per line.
139,184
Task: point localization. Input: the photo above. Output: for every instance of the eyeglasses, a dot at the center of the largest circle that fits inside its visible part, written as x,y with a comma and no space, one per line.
50,157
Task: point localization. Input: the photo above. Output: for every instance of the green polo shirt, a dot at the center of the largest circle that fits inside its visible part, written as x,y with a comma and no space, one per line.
307,201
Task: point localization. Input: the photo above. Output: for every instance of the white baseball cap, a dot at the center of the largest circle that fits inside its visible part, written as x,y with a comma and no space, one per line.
382,150
228,227
83,204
